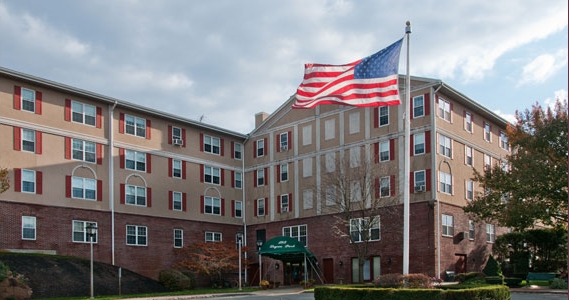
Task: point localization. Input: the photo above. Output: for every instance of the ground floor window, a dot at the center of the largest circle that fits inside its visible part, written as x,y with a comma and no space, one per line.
371,269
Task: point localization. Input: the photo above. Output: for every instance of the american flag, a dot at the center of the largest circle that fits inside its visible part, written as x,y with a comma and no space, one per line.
372,81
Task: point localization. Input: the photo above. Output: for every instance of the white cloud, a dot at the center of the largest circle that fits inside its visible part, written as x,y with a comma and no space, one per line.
543,67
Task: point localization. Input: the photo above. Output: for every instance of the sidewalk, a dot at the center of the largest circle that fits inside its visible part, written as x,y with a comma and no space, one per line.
537,289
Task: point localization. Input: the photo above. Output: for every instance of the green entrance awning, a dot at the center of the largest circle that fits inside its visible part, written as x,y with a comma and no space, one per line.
285,248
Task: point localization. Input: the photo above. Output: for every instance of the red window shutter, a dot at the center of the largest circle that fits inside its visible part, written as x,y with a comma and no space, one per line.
99,154
38,142
121,123
222,171
290,202
222,207
265,147
255,149
232,149
99,190
411,182
278,146
68,186
411,105
17,138
411,145
122,193
39,182
17,97
375,117
428,141
289,140
184,201
266,176
255,178
202,203
170,200
278,173
148,129
148,163
17,180
256,208
428,179
222,147
279,204
201,142
183,169
266,206
67,148
392,149
38,102
169,167
232,179
99,119
376,188
148,197
392,185
427,99
233,208
169,134
68,110
183,138
376,152
121,158
201,173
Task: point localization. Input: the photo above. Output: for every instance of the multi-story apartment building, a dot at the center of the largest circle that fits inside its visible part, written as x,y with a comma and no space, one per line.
153,182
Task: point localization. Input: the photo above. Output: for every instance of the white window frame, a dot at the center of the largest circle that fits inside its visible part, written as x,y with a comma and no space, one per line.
238,183
307,135
238,212
285,203
176,133
490,233
487,132
135,160
384,151
354,121
80,228
330,162
383,116
504,141
177,199
444,110
261,211
468,122
29,181
211,236
139,233
283,172
298,232
445,183
261,177
445,146
417,180
83,151
84,113
135,126
418,140
447,223
83,188
308,199
469,186
237,151
329,129
212,175
28,140
418,106
212,206
330,195
355,157
471,230
176,168
27,103
468,156
212,145
487,161
307,167
385,187
29,228
178,238
283,141
260,147
136,198
356,226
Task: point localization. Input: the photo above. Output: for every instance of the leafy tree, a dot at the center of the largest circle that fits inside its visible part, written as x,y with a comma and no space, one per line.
4,180
492,267
530,186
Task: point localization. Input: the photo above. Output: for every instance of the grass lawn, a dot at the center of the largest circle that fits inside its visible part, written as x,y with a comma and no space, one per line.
536,282
180,293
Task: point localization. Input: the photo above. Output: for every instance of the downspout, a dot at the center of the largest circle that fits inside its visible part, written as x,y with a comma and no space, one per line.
433,179
111,181
243,209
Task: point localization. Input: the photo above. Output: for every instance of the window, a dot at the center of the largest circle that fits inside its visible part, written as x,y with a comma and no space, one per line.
384,187
212,206
135,160
237,150
260,207
371,268
490,233
487,132
28,228
329,129
176,133
468,122
285,205
28,100
308,199
445,182
136,235
238,212
469,190
284,172
283,141
487,161
307,135
238,180
261,177
471,230
83,113
84,188
420,180
468,155
177,201
176,168
444,110
419,143
354,120
211,145
504,141
330,195
297,232
212,236
330,162
383,115
135,195
384,154
28,181
178,238
355,157
212,175
28,140
84,151
135,126
418,106
448,225
80,233
445,146
307,167
362,230
260,147
355,191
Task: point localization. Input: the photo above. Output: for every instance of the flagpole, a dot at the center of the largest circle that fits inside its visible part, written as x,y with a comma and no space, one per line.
406,172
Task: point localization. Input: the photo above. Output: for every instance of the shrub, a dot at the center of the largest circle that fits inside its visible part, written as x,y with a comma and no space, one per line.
462,277
3,271
388,281
513,281
175,280
494,279
558,284
417,281
492,267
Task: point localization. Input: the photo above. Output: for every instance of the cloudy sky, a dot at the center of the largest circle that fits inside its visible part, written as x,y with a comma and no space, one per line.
225,60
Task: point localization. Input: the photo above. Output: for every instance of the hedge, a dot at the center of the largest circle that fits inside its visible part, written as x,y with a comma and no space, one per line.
498,292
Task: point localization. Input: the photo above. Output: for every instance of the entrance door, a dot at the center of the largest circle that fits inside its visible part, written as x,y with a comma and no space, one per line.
253,274
328,269
293,273
460,266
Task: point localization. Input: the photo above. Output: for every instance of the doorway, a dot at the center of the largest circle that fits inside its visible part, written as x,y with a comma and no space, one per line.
328,270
